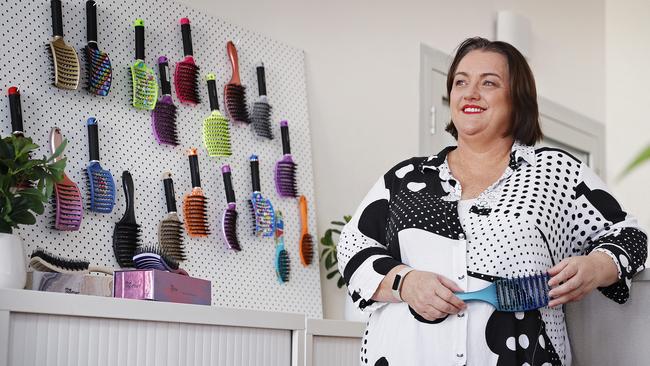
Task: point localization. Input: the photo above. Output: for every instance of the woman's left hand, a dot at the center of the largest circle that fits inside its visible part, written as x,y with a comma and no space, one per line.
575,277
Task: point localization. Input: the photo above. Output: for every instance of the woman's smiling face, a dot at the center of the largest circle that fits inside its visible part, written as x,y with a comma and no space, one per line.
480,100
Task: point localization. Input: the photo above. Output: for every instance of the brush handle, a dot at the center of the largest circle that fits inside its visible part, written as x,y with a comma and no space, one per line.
194,169
261,79
286,145
93,139
101,269
234,61
56,139
129,193
186,31
16,111
170,196
488,294
57,18
212,91
139,39
91,23
163,69
304,226
227,183
255,173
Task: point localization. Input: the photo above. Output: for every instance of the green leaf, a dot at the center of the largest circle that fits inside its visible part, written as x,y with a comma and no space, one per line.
336,231
23,217
330,260
340,282
58,151
338,223
643,156
347,218
332,274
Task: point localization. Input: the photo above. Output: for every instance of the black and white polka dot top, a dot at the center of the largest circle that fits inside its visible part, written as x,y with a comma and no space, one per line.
545,207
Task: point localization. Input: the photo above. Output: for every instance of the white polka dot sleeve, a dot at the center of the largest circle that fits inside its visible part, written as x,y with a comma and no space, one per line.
363,256
600,223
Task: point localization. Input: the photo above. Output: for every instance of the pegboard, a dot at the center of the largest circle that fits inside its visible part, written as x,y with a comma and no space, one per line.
243,279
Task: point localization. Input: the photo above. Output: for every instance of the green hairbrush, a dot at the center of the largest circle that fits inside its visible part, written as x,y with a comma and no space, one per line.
143,77
216,127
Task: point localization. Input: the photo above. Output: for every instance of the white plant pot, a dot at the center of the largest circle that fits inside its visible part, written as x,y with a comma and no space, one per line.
12,262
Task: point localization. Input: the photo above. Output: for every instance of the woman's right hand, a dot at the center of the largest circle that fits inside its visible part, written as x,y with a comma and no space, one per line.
431,295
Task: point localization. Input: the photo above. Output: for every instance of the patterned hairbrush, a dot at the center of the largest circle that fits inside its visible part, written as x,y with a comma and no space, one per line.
65,62
143,78
150,257
163,117
216,128
42,261
285,169
126,234
186,75
261,208
234,92
306,240
261,113
282,261
67,203
99,72
229,219
99,181
170,229
513,294
195,208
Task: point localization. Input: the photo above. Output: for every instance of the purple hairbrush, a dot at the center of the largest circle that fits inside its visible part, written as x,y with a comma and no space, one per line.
285,168
229,219
163,117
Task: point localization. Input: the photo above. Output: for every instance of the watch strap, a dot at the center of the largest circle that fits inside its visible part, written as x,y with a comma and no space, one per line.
398,281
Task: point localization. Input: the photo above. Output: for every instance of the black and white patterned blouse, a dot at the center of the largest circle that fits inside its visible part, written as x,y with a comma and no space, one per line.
546,206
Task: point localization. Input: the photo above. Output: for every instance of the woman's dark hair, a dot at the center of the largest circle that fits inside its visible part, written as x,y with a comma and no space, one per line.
525,125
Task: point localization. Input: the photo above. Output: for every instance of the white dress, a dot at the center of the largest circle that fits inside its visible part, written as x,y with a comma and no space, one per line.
546,206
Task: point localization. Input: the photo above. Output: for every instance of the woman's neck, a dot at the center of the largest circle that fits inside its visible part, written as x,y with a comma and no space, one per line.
478,154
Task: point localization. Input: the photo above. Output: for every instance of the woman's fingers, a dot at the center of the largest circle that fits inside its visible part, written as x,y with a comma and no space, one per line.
558,267
449,284
568,270
567,287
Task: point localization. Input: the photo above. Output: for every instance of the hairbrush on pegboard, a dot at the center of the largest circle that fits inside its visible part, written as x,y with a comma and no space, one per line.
143,78
306,240
100,184
229,218
186,75
170,229
195,205
261,113
261,208
99,72
126,234
285,168
163,116
281,260
216,127
234,93
66,201
65,62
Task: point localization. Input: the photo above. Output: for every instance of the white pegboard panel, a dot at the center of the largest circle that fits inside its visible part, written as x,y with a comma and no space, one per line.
240,280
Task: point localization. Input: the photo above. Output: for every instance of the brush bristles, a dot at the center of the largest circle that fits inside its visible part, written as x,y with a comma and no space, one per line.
285,178
65,64
186,81
261,119
101,189
67,205
163,122
229,226
235,101
216,135
126,240
152,257
282,265
523,293
195,213
170,237
99,72
59,263
144,85
263,216
306,249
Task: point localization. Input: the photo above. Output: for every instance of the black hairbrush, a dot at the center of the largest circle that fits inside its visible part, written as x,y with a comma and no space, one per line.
126,234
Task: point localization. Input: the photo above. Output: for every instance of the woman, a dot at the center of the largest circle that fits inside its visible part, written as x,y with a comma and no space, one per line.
492,207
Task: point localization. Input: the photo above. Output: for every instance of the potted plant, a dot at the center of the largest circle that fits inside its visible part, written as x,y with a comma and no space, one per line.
26,184
328,254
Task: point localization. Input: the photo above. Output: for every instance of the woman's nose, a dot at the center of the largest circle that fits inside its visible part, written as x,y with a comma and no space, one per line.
472,93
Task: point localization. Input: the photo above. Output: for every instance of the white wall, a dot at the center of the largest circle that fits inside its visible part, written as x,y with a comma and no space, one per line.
628,98
362,60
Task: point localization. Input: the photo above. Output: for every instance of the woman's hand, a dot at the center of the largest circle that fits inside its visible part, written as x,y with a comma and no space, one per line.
431,295
576,277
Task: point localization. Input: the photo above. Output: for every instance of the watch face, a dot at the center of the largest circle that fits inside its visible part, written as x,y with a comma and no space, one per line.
396,282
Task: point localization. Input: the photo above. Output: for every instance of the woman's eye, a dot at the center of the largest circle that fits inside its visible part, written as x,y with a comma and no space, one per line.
489,83
460,82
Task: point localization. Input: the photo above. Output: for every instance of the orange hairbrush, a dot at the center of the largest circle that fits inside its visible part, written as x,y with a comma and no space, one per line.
195,207
306,240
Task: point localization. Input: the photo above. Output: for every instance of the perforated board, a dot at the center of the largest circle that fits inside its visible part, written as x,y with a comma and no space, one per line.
240,280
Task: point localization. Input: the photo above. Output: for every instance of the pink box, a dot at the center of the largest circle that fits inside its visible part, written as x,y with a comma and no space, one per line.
152,284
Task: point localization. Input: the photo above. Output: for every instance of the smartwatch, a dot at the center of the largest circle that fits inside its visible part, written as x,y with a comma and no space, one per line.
399,280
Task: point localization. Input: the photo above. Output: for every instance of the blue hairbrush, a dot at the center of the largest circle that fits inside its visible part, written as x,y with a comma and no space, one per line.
99,181
282,262
513,294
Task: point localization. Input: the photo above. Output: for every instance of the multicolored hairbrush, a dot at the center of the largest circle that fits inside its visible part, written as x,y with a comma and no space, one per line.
99,181
229,218
186,75
261,113
67,203
65,62
126,234
216,127
234,92
285,168
99,72
195,205
143,78
261,208
282,261
163,117
306,240
513,294
170,229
